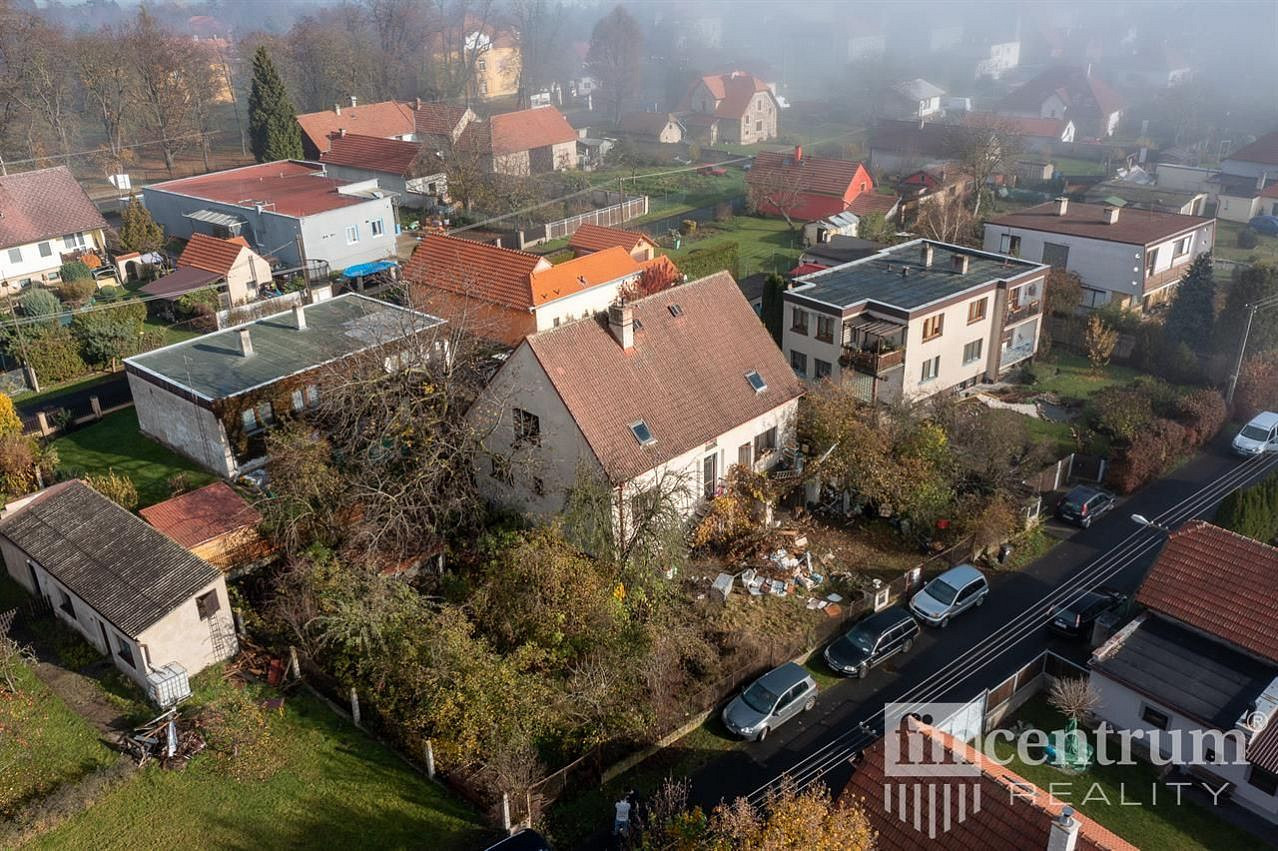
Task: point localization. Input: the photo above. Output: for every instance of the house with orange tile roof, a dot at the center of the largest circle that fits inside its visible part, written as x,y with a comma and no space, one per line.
242,270
735,107
503,295
660,396
1202,658
590,238
387,119
956,798
408,169
804,187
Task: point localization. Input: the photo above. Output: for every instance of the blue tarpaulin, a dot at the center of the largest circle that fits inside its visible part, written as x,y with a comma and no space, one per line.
363,270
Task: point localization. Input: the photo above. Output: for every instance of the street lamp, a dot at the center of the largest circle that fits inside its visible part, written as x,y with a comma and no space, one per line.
1142,520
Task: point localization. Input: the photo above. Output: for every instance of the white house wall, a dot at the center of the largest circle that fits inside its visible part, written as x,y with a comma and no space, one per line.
579,305
182,426
1116,267
39,268
182,636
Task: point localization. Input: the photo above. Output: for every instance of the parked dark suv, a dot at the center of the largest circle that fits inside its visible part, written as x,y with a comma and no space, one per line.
874,639
1083,505
1077,619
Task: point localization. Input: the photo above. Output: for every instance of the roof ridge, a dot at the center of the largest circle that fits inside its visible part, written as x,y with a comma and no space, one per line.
519,251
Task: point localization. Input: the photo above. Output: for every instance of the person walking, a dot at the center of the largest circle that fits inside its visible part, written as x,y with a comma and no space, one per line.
621,821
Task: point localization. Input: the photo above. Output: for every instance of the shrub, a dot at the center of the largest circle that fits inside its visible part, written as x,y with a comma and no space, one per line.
1151,452
54,354
1257,386
38,303
1122,411
76,291
1252,511
115,487
75,270
1247,238
723,211
688,226
18,456
9,422
1202,413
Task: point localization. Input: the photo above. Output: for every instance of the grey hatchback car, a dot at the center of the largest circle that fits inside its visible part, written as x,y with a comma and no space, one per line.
770,701
956,590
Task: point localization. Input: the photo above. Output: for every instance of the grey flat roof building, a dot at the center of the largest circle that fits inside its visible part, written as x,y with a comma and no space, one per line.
214,366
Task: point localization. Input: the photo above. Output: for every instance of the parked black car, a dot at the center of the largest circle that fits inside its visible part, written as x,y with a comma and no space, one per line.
1076,619
874,639
1083,505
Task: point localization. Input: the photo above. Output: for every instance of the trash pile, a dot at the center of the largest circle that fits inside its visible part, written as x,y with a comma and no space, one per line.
168,738
785,571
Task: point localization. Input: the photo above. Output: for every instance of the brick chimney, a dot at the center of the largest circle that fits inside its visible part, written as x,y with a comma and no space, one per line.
1111,215
926,252
621,323
299,316
1062,205
246,343
1063,835
961,262
798,153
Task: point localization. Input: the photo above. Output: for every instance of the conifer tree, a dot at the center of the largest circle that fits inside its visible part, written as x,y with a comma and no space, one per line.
1193,311
273,130
138,231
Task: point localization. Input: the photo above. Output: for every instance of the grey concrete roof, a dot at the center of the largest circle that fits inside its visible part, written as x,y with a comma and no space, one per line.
1188,672
212,366
127,571
880,277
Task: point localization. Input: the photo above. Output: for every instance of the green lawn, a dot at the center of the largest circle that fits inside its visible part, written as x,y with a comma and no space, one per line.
43,744
116,444
303,779
763,245
1227,244
1150,825
1068,165
172,333
1070,376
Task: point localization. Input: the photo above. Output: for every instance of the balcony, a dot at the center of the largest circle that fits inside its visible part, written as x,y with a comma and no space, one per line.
1012,354
1021,312
871,362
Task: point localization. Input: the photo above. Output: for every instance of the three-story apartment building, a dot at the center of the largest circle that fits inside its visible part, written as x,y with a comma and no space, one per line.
914,319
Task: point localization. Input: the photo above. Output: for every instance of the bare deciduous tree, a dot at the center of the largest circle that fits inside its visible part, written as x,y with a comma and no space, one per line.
615,47
1073,697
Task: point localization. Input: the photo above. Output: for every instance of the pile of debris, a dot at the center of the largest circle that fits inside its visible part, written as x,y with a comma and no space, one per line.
168,738
256,663
786,570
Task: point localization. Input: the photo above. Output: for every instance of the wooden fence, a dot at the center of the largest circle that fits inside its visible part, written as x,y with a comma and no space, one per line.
630,207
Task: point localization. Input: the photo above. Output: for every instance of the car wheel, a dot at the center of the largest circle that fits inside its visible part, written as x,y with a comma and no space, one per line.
863,670
944,623
1087,523
905,648
807,707
980,601
763,734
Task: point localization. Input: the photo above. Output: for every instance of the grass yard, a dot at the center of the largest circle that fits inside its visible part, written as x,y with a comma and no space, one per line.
1070,376
763,245
172,333
43,743
304,778
1149,825
115,443
1226,246
1068,165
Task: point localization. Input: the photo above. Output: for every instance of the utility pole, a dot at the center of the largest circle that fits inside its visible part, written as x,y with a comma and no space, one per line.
1270,301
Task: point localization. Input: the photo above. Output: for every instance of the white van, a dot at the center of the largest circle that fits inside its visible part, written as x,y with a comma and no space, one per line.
1259,435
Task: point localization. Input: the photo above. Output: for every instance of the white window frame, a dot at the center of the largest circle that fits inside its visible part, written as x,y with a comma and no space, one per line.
352,234
931,370
376,228
74,240
46,249
980,349
15,254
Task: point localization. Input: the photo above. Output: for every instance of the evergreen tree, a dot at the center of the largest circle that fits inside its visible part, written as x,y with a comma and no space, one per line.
273,130
1193,311
138,231
1250,284
772,308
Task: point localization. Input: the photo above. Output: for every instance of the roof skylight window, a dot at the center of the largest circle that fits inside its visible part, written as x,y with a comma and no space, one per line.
756,381
642,433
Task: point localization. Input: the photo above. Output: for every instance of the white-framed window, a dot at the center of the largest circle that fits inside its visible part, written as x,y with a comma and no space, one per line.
972,351
15,255
352,234
46,249
931,369
74,240
1182,247
376,228
799,362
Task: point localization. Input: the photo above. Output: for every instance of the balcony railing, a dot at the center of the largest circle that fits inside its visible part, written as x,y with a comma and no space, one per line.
1016,353
871,362
1019,312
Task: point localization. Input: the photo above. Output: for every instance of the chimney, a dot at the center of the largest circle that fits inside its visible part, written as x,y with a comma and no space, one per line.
1111,215
1062,205
922,122
1262,180
798,153
299,316
337,108
341,131
1064,833
960,263
927,251
621,323
246,343
354,102
418,104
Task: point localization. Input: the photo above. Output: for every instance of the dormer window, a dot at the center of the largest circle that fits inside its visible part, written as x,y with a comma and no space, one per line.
756,381
642,433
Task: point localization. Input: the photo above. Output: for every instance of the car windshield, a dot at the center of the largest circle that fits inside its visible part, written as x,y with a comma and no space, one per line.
1251,432
1076,499
941,591
759,698
861,640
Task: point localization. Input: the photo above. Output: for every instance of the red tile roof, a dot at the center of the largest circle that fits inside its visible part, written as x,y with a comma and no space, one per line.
288,187
684,377
385,119
431,118
582,273
372,153
1219,582
873,202
528,129
644,123
1023,125
1135,227
1263,150
202,515
465,267
819,175
1084,94
597,237
1013,814
36,205
732,92
211,254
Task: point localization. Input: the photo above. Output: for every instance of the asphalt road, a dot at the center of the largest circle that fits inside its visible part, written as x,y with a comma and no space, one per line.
988,636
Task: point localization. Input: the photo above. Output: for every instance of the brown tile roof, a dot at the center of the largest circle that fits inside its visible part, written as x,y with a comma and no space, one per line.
819,175
1219,582
582,273
1085,94
644,123
597,237
873,202
1135,227
385,119
1263,150
287,187
684,377
528,129
1014,814
36,205
431,118
372,153
474,269
194,518
210,254
1023,125
732,92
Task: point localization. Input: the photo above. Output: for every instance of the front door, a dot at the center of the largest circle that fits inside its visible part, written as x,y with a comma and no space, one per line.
709,474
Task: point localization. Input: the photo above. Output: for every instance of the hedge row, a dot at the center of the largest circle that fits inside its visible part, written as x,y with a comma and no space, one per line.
1252,511
1155,430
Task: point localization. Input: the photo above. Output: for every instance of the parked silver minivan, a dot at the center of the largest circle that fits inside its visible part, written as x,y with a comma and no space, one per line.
954,591
770,701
